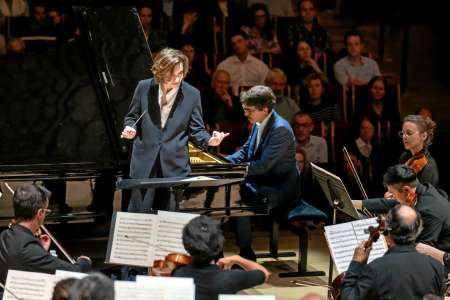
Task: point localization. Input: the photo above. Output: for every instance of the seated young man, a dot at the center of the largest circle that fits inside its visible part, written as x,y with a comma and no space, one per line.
22,247
203,240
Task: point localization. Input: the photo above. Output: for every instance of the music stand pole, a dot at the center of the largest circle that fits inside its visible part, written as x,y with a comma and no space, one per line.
336,203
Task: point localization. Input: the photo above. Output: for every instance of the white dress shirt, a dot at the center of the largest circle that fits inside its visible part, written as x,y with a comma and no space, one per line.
363,147
261,127
170,99
249,72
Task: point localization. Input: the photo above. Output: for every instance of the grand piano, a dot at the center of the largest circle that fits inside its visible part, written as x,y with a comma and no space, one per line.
61,110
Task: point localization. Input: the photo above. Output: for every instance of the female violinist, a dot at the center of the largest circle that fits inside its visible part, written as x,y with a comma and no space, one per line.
203,240
417,134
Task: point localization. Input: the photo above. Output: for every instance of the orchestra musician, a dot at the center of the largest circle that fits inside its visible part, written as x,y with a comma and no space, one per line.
402,273
402,183
270,154
203,240
417,134
21,246
165,111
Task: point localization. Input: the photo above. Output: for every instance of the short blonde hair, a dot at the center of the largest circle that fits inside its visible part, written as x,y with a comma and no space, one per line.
273,73
165,61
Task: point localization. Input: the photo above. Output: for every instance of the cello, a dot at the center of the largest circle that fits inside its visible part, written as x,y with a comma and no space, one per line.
374,235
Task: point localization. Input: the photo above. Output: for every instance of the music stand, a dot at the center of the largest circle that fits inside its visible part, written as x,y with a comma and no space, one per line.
338,197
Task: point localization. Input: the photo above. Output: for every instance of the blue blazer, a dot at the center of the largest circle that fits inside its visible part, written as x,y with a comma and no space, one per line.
272,170
170,143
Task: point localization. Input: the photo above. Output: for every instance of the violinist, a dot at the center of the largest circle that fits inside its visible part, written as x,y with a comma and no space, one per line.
22,247
402,183
402,273
203,240
417,134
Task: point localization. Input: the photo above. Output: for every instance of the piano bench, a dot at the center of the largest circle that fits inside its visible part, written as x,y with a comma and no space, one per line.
303,218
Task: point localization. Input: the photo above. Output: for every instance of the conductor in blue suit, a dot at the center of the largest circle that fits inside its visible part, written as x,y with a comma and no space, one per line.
270,153
164,113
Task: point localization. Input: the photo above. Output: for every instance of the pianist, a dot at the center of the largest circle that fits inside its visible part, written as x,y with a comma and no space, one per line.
272,176
165,111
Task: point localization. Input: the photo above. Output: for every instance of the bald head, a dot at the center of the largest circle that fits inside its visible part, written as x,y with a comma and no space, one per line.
404,224
312,296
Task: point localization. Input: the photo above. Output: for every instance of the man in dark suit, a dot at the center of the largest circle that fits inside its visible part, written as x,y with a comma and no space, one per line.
270,153
404,188
20,249
402,273
164,113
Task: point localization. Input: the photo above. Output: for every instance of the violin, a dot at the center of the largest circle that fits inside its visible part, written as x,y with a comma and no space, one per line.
417,162
374,235
166,266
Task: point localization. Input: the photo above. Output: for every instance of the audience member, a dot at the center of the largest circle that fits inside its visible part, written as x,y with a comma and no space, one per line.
22,246
377,106
190,30
203,240
424,112
228,20
355,69
279,8
285,106
315,147
156,39
196,75
402,272
261,36
305,63
369,154
62,289
40,24
347,176
2,45
245,69
14,8
15,46
317,104
95,286
222,111
308,29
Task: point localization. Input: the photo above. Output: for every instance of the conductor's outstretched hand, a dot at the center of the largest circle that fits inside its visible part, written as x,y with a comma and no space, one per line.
128,133
217,138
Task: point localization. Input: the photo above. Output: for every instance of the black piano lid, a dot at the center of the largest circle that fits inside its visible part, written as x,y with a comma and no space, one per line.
63,109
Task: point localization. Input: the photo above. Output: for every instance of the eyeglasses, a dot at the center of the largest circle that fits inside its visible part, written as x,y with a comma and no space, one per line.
407,133
302,125
47,211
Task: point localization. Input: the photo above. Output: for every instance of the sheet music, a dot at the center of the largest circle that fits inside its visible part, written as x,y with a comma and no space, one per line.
61,274
29,285
132,290
139,239
175,288
247,297
343,238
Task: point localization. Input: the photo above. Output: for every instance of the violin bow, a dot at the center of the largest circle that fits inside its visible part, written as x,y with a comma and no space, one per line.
358,181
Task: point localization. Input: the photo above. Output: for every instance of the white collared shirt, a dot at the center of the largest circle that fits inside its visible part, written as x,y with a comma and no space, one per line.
170,98
363,147
261,127
250,72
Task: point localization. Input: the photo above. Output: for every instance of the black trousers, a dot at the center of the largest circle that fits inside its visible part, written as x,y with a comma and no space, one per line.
146,200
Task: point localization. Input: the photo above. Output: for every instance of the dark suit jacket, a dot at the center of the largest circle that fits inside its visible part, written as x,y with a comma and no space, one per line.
272,170
402,273
20,250
435,212
185,121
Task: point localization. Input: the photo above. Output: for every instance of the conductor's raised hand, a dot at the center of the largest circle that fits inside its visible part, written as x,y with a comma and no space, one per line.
217,138
128,133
